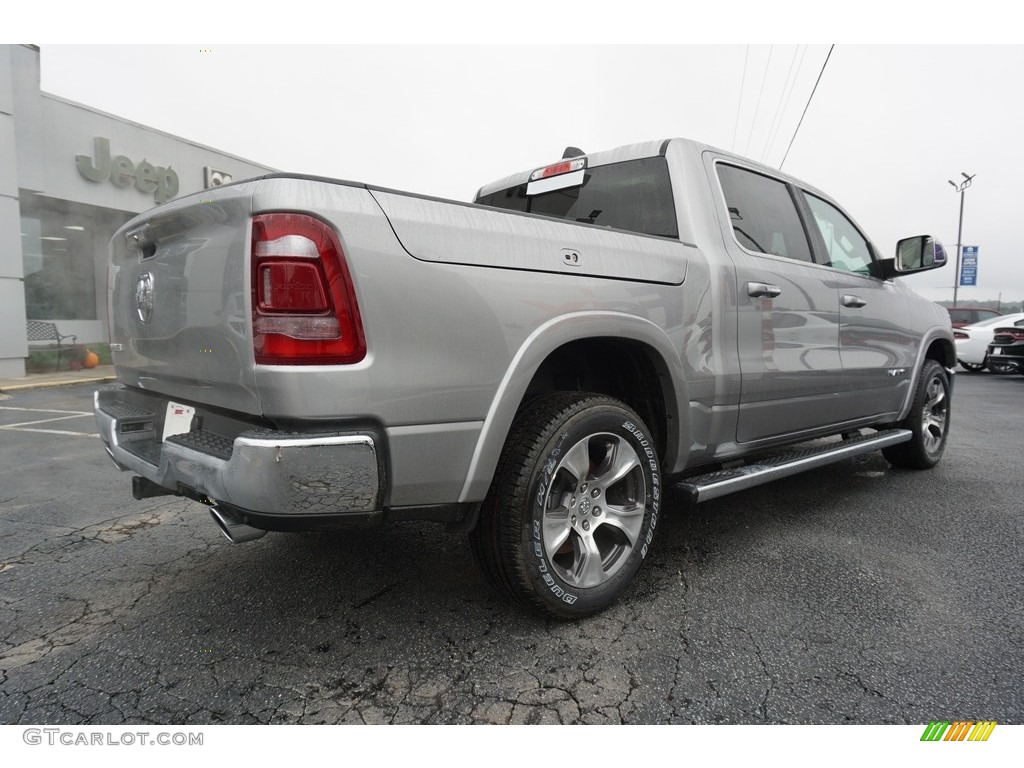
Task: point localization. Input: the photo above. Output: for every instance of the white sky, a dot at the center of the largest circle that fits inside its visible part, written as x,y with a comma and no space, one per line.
888,126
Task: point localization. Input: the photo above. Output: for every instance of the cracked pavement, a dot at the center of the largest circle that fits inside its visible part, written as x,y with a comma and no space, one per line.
854,593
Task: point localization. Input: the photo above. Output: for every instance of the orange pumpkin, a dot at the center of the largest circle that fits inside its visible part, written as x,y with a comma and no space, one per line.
91,359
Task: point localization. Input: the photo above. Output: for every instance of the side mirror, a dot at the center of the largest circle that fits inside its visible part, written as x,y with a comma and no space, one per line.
919,254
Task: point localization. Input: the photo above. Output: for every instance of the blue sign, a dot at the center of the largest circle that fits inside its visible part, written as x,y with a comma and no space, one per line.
969,265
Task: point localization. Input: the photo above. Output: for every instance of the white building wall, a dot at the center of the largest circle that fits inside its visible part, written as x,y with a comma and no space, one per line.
41,136
13,348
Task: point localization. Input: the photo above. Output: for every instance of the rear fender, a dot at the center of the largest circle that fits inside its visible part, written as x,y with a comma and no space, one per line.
538,346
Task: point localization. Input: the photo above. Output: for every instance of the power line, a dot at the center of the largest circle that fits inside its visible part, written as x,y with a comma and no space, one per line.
743,82
788,89
746,150
807,105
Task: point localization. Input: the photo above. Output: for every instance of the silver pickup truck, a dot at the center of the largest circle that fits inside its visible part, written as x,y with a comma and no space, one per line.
534,367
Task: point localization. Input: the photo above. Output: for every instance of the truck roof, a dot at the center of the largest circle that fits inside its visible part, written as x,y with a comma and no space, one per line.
606,157
644,149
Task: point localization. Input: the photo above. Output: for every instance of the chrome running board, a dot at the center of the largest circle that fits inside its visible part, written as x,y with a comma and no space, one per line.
765,469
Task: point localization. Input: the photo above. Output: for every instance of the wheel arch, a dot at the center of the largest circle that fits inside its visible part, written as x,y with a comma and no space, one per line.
941,350
937,346
645,372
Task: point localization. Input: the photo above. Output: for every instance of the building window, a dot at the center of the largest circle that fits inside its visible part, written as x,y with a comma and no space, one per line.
61,244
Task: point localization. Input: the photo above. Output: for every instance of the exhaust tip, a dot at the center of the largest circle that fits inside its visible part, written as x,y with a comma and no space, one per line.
234,530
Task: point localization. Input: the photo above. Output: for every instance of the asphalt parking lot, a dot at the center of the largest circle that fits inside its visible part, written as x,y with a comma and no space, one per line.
855,593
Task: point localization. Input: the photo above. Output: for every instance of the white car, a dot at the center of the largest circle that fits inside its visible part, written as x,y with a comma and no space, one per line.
972,341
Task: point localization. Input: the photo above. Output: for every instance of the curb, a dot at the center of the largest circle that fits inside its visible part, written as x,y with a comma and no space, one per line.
47,384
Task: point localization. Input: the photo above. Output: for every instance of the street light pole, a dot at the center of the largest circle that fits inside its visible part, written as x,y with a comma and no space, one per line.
961,188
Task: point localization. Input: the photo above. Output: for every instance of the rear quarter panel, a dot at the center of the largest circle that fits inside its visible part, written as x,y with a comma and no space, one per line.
452,346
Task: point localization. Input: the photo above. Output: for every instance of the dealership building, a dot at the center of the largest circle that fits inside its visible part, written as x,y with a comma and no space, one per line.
70,176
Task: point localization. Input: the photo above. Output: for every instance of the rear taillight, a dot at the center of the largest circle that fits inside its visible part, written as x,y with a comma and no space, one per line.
1007,335
304,309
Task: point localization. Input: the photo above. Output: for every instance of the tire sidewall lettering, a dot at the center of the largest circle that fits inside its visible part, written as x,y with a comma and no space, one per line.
550,462
575,431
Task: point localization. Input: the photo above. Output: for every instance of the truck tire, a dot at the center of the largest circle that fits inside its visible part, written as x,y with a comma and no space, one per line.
928,420
572,510
1001,369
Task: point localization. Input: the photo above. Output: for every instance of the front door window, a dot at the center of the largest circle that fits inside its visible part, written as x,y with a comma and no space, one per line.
846,247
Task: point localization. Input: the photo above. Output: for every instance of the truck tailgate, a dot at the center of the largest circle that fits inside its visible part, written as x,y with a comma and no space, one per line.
179,300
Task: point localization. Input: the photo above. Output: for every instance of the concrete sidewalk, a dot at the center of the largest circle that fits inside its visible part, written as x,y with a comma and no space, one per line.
97,375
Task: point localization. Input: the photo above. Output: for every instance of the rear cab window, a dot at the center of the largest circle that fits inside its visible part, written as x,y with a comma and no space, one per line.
633,195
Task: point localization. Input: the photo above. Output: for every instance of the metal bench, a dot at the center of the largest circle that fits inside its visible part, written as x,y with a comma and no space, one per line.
42,331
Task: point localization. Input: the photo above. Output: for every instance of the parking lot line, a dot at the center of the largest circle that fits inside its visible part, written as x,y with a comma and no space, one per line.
42,421
49,431
44,410
27,426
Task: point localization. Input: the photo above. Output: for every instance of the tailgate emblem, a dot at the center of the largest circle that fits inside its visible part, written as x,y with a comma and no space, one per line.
144,297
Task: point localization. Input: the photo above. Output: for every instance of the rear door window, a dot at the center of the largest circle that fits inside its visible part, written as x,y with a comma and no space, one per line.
635,195
763,214
961,316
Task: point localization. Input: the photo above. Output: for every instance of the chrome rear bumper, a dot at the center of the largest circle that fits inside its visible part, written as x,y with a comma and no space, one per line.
258,470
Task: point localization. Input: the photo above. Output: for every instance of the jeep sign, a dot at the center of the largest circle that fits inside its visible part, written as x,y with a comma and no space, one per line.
122,172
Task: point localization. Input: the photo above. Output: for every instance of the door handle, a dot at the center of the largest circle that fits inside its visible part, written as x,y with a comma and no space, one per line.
763,290
850,300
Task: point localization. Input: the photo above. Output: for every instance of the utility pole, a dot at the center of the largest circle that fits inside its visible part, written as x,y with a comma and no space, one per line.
961,188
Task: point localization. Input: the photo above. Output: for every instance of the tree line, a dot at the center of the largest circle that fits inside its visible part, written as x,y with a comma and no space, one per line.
1005,307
